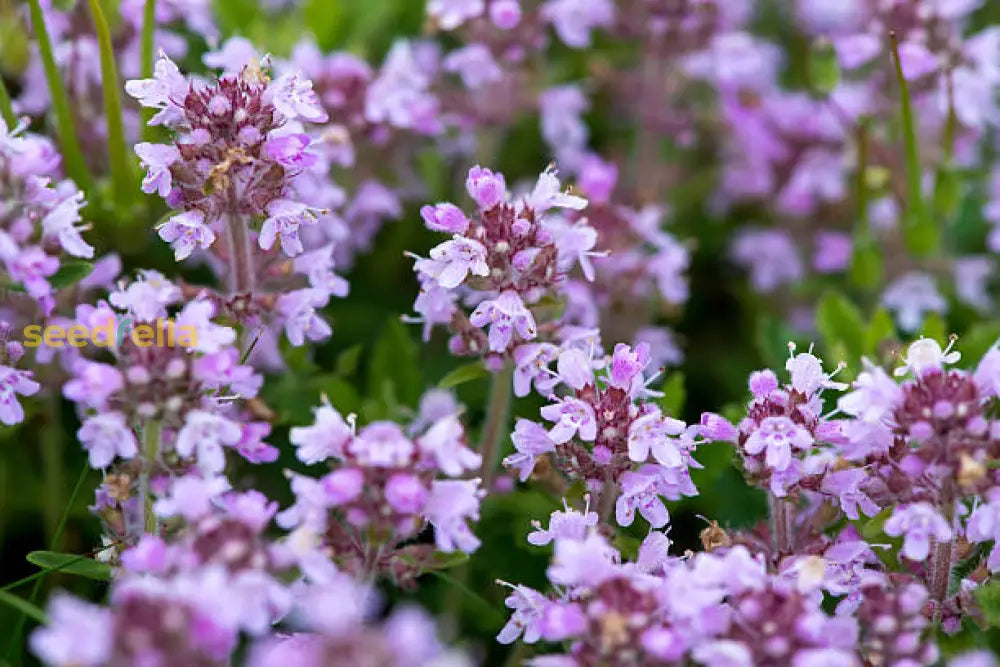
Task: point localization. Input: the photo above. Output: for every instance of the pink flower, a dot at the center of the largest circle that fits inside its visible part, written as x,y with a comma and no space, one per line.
186,231
445,218
106,436
486,188
293,96
14,382
918,523
156,159
778,436
504,315
572,417
451,261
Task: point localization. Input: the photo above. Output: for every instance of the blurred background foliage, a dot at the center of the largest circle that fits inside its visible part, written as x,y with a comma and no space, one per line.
377,366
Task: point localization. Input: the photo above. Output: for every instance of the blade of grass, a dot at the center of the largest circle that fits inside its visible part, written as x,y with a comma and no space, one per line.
23,606
118,156
6,108
76,166
146,59
920,231
16,635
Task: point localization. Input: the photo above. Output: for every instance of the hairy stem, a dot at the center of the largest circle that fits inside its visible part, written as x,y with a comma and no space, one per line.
150,448
940,565
241,276
782,516
496,427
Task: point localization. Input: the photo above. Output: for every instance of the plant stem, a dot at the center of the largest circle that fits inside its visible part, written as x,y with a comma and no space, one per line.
496,427
940,565
241,276
150,447
146,59
52,465
119,156
76,166
6,108
782,516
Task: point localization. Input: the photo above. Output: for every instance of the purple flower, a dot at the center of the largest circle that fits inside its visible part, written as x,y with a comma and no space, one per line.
451,504
289,150
572,417
165,91
156,159
405,493
845,486
531,441
284,218
639,491
833,252
652,432
504,315
106,436
717,427
627,365
298,308
450,262
983,525
770,256
206,434
531,366
78,634
918,523
912,295
191,496
575,368
444,441
382,444
548,193
14,382
186,231
486,188
528,605
343,485
326,438
563,525
505,14
562,621
474,64
449,14
60,223
293,96
778,436
445,218
92,383
574,19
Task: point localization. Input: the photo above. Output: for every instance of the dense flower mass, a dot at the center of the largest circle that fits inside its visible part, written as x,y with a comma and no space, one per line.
523,477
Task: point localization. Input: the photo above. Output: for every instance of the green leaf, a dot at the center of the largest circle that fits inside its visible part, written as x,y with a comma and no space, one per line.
947,191
394,369
824,70
977,340
445,561
146,57
118,154
81,566
934,327
772,337
23,606
840,324
76,166
880,329
6,108
988,596
674,394
70,272
921,234
348,360
866,264
462,374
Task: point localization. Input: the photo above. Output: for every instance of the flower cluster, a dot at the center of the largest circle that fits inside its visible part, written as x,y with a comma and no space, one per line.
385,486
504,262
40,218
